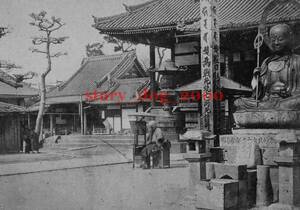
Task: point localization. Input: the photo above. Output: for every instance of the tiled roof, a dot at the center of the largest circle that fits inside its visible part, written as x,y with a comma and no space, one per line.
92,76
129,88
225,83
10,108
92,71
167,14
9,87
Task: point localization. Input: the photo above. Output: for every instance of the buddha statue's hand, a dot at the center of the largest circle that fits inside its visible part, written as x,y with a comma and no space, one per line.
284,93
256,74
256,71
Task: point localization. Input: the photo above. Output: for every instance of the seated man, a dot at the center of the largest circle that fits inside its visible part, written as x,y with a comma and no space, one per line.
154,144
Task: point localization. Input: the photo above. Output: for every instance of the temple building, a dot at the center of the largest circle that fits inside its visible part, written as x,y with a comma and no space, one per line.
13,119
100,94
13,92
175,24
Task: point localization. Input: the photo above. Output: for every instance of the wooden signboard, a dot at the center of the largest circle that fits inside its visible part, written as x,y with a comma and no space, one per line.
210,62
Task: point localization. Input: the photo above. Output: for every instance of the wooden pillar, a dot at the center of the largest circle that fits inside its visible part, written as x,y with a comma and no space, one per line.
28,121
173,54
74,123
84,122
51,124
210,65
152,74
121,116
81,116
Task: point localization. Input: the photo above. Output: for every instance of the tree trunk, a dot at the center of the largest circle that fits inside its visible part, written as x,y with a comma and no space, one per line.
38,126
39,118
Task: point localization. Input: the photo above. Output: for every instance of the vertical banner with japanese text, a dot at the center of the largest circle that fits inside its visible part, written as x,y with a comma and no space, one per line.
210,66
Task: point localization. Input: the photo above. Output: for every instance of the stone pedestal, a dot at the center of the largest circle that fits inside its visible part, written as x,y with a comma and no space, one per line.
199,143
289,170
237,149
237,146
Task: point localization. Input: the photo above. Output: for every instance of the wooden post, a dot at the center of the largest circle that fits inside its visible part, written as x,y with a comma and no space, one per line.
152,74
81,116
51,124
210,65
74,123
121,116
84,122
173,54
28,121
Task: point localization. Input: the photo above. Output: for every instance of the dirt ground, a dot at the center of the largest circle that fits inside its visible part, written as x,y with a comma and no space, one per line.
117,187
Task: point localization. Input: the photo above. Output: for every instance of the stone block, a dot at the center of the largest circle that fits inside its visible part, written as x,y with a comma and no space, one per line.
242,196
210,170
274,175
264,191
252,181
289,185
289,150
217,194
269,154
231,171
197,173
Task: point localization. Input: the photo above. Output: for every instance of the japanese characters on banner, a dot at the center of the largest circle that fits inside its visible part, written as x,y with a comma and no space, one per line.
210,56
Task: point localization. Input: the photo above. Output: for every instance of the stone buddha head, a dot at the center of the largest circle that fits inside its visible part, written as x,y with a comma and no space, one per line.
281,38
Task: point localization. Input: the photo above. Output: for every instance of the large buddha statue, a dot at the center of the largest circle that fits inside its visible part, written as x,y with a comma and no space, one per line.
278,84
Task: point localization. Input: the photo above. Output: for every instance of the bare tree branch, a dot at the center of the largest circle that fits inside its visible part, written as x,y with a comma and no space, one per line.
58,27
161,55
26,76
56,55
34,50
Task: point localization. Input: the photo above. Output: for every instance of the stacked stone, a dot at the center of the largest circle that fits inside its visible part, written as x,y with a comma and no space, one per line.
226,187
289,171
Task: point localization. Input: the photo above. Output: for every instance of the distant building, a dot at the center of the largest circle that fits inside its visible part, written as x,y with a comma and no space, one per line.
11,131
13,97
103,89
13,92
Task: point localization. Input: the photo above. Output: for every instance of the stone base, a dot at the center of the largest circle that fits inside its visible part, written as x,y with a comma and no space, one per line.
267,119
264,138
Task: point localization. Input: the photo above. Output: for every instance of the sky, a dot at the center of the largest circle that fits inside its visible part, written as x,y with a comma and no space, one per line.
77,14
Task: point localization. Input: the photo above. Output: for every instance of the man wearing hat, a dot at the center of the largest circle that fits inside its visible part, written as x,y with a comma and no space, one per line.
155,140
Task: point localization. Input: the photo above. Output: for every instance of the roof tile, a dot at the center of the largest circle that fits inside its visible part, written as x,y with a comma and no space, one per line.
162,13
